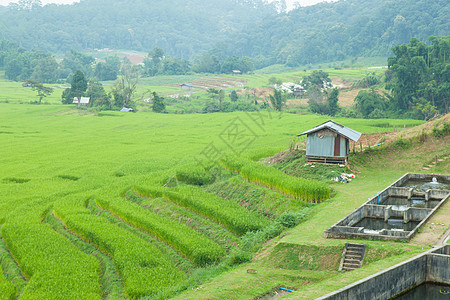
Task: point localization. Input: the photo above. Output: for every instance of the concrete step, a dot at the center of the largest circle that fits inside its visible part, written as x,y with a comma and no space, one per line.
356,261
350,266
353,253
352,259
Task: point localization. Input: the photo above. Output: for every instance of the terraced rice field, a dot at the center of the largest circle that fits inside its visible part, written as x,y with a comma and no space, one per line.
91,207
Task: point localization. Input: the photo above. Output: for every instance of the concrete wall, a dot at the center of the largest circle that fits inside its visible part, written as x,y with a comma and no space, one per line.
394,280
438,268
385,285
373,208
416,214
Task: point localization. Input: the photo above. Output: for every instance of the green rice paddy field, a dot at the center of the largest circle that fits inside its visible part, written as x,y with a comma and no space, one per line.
85,215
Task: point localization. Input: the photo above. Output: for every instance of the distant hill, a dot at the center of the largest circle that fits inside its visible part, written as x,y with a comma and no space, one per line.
180,27
347,28
185,28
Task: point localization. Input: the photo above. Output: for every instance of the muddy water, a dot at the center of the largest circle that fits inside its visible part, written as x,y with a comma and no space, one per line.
425,291
379,224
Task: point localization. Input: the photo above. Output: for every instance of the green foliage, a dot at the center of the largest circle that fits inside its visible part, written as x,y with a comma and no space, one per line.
42,91
420,75
50,261
192,244
229,214
371,104
7,289
142,267
107,70
278,100
274,80
370,79
289,219
194,174
78,84
297,188
332,99
234,96
158,104
317,78
444,131
98,96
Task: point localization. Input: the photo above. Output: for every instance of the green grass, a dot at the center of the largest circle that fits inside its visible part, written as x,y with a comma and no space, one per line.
52,153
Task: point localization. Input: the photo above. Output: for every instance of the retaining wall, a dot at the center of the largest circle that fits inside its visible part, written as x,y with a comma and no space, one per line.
388,283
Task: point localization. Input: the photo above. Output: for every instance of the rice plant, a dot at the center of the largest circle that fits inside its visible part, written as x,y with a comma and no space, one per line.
55,267
142,267
194,174
192,244
295,187
227,213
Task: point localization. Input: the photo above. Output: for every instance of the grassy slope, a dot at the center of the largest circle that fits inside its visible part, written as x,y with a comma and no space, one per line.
376,172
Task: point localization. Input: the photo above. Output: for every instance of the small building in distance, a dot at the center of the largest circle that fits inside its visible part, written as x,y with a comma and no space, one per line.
236,72
187,87
126,109
299,92
83,101
329,143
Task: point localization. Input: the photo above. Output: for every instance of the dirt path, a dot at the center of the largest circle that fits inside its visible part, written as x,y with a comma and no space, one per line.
433,232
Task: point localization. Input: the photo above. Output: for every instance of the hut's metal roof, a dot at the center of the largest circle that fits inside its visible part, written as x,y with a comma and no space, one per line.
338,128
83,100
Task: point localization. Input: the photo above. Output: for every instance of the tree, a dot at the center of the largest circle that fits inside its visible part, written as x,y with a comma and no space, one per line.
317,78
107,70
158,104
98,96
126,84
215,94
316,101
42,91
420,73
332,99
370,103
278,100
78,85
234,96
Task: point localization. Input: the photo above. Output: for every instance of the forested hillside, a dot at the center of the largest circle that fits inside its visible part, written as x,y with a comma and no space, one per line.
180,27
334,31
189,28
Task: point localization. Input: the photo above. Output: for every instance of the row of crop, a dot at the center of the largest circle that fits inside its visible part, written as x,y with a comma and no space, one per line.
55,267
227,213
7,288
186,240
144,270
212,230
294,187
194,174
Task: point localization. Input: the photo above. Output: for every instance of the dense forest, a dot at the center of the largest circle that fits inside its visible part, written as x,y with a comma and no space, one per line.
180,27
334,31
219,29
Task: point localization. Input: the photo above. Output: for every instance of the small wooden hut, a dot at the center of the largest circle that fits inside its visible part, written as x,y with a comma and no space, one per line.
329,143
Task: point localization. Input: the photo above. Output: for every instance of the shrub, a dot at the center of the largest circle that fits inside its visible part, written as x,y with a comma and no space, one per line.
289,219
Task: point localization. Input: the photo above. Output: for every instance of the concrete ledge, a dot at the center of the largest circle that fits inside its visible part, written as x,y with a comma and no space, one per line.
374,208
388,283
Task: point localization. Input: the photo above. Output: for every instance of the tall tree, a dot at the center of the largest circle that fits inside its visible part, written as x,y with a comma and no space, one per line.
278,100
78,85
42,91
126,84
332,99
158,104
